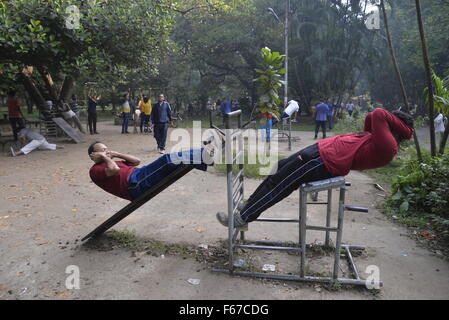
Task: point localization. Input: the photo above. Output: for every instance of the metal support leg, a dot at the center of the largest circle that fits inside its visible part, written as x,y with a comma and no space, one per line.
341,212
302,229
328,216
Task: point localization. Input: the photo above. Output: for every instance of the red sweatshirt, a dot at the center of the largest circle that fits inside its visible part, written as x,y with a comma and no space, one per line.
118,184
374,148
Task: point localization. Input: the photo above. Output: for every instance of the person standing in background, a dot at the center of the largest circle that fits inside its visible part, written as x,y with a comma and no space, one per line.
439,125
16,118
92,111
161,117
126,111
321,113
145,106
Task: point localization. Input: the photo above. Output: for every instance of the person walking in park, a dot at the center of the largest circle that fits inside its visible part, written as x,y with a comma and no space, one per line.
161,118
350,108
126,111
145,106
92,103
16,118
322,110
31,140
331,157
439,125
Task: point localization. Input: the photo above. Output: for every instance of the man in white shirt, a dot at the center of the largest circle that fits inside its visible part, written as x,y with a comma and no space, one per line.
439,124
292,107
350,108
32,140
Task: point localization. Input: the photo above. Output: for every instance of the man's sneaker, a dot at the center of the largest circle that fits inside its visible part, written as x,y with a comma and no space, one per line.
238,221
12,152
161,151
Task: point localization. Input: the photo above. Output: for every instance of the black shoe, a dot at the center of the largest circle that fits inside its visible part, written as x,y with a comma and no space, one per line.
238,221
96,132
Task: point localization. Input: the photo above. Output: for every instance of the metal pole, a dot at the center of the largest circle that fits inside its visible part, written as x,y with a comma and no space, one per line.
341,212
287,13
229,157
302,229
328,215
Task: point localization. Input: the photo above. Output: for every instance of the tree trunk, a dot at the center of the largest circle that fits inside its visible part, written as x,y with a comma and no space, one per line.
428,78
49,84
444,139
36,96
29,104
67,87
398,74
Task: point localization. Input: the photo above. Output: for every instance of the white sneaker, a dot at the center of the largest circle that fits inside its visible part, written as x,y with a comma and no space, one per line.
161,151
12,152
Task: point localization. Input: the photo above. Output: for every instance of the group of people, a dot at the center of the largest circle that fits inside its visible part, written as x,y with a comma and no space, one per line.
28,138
157,116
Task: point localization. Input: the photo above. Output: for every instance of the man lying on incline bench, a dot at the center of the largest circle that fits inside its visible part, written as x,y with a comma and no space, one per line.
331,157
123,179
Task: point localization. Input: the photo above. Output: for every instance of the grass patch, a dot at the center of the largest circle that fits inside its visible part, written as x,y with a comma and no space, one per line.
250,170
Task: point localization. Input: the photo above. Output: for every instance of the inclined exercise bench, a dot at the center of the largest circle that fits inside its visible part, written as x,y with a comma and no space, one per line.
235,193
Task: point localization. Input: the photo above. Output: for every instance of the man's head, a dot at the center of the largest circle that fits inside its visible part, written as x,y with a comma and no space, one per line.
161,97
145,99
11,93
406,119
97,147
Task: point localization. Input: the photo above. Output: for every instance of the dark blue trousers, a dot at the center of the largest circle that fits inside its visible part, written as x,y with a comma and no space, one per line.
304,166
160,134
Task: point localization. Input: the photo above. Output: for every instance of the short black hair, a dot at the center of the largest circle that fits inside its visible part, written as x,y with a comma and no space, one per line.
404,117
11,93
91,148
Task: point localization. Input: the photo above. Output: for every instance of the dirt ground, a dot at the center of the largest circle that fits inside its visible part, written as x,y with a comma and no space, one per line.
48,203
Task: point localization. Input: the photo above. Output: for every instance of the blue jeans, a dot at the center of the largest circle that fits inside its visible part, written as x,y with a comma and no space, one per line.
267,130
125,122
146,177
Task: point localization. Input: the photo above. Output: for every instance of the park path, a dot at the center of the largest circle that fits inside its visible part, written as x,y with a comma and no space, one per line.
47,203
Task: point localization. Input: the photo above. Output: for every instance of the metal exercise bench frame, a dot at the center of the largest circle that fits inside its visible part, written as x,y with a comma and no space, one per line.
235,193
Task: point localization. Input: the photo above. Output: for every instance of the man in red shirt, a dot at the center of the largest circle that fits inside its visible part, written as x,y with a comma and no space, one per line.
331,157
125,180
15,115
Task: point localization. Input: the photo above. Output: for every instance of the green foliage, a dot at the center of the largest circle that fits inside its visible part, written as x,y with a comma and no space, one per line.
353,124
270,81
422,189
34,32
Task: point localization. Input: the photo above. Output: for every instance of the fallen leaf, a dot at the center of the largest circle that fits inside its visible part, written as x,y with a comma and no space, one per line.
63,294
200,229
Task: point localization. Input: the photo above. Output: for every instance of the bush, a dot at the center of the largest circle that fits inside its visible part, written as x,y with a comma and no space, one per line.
353,124
422,189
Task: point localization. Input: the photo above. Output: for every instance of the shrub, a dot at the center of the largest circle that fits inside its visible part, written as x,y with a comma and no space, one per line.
423,189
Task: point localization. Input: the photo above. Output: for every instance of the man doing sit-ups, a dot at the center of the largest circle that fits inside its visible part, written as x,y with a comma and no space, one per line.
331,157
125,180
